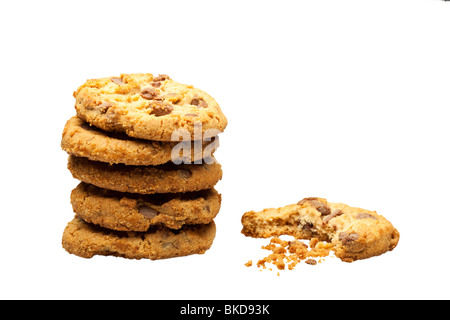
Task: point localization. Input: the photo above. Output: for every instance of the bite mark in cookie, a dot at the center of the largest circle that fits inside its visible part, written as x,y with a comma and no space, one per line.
355,233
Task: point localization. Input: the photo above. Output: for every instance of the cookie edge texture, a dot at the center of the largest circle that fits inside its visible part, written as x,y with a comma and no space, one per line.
86,241
146,179
122,211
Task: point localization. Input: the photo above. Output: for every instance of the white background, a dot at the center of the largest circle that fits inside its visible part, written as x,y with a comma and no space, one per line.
346,100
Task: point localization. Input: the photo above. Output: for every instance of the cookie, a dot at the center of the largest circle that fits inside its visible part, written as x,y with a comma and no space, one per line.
87,240
147,107
354,232
83,140
133,212
165,178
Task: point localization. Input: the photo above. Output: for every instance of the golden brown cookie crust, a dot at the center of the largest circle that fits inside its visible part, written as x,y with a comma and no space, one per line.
166,178
355,233
87,240
133,212
84,140
147,107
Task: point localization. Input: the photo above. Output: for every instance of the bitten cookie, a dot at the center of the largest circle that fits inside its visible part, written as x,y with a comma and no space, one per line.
134,212
87,240
83,140
355,233
147,107
165,178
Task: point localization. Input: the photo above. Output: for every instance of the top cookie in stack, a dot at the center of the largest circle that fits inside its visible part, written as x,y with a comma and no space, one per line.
143,148
147,107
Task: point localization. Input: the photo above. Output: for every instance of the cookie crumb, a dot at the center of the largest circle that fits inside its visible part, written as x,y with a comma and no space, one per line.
290,253
249,263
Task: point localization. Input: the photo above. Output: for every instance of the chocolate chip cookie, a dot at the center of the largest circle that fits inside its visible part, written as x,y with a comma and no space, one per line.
87,240
165,178
147,107
354,232
84,140
133,212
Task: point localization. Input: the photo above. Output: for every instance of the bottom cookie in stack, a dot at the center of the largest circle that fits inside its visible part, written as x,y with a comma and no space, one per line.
87,240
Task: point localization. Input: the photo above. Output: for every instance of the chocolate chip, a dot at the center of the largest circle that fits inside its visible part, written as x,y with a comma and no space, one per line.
113,114
147,212
171,245
322,208
334,214
117,80
103,108
348,239
199,102
184,174
318,203
161,109
306,200
156,84
308,226
364,215
166,233
149,93
161,77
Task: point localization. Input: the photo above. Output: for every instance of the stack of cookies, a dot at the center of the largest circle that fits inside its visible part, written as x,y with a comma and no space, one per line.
142,147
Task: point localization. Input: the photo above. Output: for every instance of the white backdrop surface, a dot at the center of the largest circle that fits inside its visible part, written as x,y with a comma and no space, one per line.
346,100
